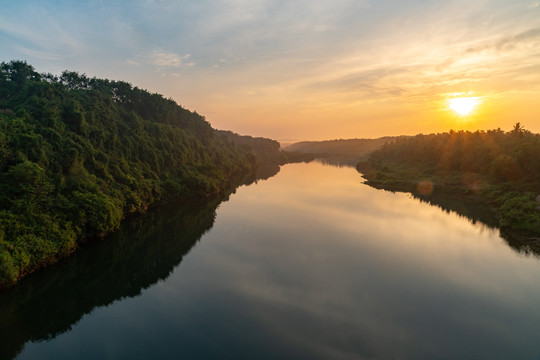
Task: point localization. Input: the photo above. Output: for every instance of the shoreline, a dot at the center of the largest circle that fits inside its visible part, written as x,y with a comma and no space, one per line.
478,200
235,181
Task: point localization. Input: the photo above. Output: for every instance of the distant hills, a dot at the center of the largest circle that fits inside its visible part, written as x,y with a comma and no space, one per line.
265,150
348,151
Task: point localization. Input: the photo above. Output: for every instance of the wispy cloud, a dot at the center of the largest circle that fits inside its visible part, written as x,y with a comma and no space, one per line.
287,56
163,60
52,35
166,59
525,38
39,54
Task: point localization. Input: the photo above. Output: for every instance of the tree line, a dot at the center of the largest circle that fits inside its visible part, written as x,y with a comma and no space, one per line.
77,154
500,166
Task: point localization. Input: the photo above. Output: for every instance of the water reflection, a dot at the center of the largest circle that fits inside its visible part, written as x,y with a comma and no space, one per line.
340,161
145,250
322,267
311,264
475,211
142,252
266,171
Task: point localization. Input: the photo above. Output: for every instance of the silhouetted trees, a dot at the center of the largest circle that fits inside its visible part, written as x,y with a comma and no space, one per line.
506,162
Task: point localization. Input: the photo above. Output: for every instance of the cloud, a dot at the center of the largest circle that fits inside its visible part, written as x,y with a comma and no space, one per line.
367,83
298,53
39,54
531,35
510,42
51,36
163,60
166,59
168,64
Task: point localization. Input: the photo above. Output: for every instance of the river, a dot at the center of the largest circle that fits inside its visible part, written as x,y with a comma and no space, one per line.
308,264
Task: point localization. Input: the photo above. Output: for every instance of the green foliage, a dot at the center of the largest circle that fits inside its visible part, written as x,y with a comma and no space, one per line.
8,271
500,166
96,213
265,151
77,154
520,212
500,156
262,149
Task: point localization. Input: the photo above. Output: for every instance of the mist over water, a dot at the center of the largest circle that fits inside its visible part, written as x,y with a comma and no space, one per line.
308,264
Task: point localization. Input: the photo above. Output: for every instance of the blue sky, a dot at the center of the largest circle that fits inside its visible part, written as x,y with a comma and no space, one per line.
299,69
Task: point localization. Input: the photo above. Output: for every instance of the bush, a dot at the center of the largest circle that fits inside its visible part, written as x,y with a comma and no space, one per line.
520,213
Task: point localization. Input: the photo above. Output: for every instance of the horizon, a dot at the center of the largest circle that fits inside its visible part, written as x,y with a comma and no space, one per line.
302,71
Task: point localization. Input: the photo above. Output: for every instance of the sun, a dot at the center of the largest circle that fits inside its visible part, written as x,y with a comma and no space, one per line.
463,105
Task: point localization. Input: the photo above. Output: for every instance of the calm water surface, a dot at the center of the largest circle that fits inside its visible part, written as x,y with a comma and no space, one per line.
309,264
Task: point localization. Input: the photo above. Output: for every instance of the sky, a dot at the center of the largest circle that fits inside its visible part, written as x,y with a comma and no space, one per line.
297,69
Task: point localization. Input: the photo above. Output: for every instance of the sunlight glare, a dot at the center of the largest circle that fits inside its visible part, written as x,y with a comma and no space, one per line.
463,105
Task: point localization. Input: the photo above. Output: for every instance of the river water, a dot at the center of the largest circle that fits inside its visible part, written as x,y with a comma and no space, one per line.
308,264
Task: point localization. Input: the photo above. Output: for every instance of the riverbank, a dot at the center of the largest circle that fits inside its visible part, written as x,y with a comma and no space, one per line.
493,167
501,205
80,154
144,250
306,251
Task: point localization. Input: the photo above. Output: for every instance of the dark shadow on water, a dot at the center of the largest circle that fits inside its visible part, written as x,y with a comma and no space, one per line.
266,171
145,250
476,211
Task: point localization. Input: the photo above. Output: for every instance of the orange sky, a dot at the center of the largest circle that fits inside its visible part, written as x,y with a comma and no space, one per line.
301,70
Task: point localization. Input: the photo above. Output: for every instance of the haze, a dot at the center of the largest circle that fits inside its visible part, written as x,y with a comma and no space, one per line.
298,70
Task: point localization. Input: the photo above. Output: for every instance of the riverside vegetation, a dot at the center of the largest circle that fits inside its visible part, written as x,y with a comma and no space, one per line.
499,169
142,252
78,154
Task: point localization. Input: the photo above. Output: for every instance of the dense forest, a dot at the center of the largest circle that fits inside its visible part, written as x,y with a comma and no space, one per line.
78,154
497,167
